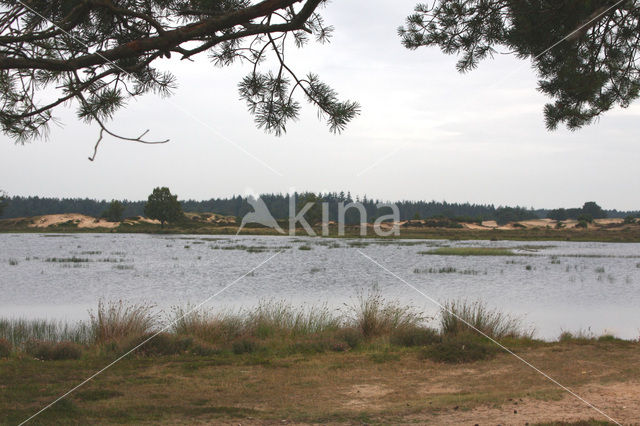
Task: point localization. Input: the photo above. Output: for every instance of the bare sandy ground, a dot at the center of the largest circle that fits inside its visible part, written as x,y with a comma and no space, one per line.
620,401
82,221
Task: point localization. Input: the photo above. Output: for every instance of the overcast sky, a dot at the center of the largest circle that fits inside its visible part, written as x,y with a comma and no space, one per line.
425,132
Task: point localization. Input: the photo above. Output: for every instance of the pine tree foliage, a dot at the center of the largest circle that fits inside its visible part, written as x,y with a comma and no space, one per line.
585,52
99,54
3,201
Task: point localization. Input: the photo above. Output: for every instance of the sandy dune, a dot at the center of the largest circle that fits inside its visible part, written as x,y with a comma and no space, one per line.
82,221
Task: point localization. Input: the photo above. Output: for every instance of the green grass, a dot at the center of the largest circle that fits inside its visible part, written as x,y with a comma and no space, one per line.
470,251
461,348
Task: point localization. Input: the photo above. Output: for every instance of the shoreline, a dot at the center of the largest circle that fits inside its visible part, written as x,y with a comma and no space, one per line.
601,230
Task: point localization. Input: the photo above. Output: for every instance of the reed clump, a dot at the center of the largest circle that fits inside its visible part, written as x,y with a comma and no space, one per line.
459,317
115,321
374,315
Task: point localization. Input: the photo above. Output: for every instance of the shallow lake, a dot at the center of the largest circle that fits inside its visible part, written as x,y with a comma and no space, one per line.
555,286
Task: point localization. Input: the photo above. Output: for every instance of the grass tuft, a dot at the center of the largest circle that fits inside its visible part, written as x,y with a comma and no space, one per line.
115,321
463,317
373,315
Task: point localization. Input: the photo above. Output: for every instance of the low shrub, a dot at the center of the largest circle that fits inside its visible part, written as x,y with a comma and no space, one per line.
581,337
349,335
582,224
200,348
245,345
460,349
609,338
339,346
52,351
385,356
160,344
5,348
311,345
414,336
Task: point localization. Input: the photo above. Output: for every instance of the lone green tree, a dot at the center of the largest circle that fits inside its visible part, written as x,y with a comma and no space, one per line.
592,209
163,206
586,53
114,212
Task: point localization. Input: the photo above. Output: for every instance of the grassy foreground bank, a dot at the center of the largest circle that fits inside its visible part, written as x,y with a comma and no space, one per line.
375,361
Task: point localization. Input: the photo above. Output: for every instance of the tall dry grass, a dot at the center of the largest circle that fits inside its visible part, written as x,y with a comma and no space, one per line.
206,325
374,315
461,317
282,318
114,321
270,318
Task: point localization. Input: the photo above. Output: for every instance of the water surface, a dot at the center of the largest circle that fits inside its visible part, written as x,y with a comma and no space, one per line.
556,286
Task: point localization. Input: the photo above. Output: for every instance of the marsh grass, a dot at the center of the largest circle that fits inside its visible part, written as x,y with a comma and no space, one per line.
374,315
273,318
272,328
446,270
19,331
471,251
72,259
212,327
53,351
269,319
123,267
458,317
114,321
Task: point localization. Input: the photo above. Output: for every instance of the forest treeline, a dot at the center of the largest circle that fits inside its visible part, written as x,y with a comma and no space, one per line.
278,204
